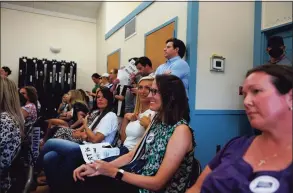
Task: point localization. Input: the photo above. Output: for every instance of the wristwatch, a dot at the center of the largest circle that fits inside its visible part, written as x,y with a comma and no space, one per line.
119,174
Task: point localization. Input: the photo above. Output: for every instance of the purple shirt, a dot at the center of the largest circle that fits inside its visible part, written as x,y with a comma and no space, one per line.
231,174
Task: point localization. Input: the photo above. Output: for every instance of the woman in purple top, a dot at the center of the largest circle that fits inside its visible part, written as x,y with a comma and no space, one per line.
258,164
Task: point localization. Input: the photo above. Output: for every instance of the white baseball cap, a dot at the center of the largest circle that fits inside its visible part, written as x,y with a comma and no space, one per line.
105,75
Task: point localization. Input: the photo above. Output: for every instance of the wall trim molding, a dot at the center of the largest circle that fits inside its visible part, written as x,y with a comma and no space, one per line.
140,8
191,47
218,112
257,46
175,20
277,27
47,13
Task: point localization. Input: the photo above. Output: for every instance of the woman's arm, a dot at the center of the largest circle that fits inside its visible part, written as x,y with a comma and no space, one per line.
93,137
24,113
59,111
76,124
119,97
124,124
67,117
178,146
123,160
197,186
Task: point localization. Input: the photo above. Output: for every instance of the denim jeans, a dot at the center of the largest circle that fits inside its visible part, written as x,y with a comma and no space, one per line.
61,157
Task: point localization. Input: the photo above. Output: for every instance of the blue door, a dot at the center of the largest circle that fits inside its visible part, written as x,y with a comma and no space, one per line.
286,33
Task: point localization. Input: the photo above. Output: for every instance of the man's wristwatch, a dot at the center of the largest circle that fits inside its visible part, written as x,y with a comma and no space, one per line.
119,174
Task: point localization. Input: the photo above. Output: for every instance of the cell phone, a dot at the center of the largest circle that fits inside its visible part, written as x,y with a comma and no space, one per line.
129,86
107,146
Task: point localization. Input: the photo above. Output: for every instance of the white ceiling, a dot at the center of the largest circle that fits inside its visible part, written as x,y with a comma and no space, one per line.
82,9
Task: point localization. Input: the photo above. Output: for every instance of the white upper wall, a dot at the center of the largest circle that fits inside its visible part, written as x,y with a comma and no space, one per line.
31,35
134,47
116,11
276,13
227,29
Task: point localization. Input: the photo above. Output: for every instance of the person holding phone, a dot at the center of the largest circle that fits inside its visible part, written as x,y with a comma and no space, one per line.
96,79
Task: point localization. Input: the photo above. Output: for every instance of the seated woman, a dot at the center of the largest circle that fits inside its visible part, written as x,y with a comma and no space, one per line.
72,117
29,110
162,160
11,129
260,163
63,107
90,124
60,154
135,124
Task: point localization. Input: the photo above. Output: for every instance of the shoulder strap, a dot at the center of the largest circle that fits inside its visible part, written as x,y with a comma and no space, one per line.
140,149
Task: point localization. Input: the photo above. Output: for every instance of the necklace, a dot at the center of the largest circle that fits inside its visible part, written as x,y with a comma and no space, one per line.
264,161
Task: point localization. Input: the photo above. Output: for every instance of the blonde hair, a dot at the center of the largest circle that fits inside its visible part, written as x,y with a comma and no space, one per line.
138,105
76,97
9,101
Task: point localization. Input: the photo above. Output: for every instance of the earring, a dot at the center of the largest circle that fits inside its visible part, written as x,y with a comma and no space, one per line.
290,108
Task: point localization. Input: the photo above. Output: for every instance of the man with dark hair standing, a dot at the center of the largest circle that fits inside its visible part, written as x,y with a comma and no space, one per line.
276,50
5,71
129,95
174,52
144,66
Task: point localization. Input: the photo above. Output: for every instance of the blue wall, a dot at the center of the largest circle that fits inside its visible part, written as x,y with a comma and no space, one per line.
211,127
216,129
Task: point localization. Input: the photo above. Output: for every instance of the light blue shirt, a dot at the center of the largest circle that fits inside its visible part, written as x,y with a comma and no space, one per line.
178,67
283,61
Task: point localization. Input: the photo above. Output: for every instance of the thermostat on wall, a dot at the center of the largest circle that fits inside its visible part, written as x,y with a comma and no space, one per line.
217,63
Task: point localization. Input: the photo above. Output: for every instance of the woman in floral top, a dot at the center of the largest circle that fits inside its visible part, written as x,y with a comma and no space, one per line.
167,154
29,109
11,127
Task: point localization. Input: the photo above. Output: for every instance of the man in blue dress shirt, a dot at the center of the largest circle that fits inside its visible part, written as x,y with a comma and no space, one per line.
174,52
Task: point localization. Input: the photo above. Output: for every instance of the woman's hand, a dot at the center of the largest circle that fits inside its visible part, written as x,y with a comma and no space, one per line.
145,121
78,134
81,171
131,116
84,122
103,168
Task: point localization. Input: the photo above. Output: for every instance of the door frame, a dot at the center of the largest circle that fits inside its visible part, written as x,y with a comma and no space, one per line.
268,32
260,36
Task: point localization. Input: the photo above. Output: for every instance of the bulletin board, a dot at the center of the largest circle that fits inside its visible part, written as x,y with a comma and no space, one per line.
113,60
156,42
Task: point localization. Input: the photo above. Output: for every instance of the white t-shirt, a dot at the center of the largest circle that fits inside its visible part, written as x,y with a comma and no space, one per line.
108,127
134,131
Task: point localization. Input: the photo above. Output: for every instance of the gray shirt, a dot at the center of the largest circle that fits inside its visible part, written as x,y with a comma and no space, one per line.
283,61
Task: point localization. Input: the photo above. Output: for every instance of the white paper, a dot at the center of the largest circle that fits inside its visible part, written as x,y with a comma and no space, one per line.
125,72
92,152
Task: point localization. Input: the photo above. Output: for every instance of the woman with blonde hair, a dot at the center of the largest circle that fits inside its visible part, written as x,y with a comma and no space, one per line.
134,124
11,128
72,119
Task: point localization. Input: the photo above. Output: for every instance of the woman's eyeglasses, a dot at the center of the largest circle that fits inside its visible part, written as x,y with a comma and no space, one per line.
154,91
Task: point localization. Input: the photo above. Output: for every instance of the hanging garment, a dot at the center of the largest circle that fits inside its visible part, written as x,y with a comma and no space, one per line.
22,71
